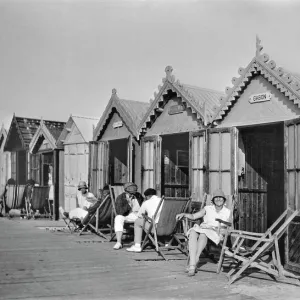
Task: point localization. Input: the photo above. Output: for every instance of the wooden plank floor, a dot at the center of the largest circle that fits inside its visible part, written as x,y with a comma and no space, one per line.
36,263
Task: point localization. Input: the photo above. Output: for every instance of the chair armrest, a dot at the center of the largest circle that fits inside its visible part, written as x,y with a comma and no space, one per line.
147,218
241,232
223,222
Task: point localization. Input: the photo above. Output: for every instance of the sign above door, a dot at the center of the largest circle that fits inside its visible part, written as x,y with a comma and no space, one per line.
260,97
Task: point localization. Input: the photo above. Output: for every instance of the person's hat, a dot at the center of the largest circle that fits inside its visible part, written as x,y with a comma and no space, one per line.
130,187
218,193
82,184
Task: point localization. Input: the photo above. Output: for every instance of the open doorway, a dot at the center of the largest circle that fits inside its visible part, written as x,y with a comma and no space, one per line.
118,172
261,176
175,165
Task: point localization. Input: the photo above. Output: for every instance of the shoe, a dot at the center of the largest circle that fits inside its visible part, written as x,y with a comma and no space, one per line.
63,213
66,214
134,248
192,271
118,246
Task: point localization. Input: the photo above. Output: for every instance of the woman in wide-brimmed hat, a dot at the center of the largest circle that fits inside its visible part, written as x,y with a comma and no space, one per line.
199,234
85,200
127,208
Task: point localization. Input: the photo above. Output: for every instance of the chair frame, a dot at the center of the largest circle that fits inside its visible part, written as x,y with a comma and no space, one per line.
265,243
152,235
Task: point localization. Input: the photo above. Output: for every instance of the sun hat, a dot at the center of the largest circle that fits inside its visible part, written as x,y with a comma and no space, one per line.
130,187
82,184
218,193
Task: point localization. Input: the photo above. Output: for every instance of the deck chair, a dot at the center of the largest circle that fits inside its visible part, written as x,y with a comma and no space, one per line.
100,221
255,257
10,196
72,225
166,227
115,191
19,196
187,224
39,200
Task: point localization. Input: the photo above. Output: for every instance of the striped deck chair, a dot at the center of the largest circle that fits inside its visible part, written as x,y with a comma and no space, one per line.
39,200
167,226
100,221
20,189
255,257
10,196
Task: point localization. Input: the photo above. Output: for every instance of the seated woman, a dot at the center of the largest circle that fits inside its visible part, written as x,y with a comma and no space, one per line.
199,234
85,200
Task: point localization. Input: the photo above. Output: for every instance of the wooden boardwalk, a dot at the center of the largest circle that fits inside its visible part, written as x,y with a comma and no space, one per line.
36,263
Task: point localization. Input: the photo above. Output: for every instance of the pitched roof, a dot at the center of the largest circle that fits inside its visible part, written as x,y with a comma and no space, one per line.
3,135
286,82
131,112
50,130
201,101
86,125
27,127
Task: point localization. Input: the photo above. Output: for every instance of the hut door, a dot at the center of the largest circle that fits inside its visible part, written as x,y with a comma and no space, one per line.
151,163
198,154
222,160
292,193
129,159
98,165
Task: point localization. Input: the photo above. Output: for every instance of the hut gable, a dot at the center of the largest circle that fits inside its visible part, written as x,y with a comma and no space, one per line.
3,135
74,136
46,136
130,113
199,102
263,76
20,133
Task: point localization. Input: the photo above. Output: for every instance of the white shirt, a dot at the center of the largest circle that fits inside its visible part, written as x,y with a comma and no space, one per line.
87,200
211,214
150,206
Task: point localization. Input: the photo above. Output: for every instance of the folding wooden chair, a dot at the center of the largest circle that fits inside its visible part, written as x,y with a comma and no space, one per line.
254,257
39,200
100,221
166,227
10,195
71,224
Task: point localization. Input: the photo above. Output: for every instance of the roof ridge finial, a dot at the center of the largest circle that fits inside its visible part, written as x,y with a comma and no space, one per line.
169,76
114,92
259,47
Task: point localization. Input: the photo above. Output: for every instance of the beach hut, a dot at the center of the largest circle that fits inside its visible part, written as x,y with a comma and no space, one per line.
115,152
173,138
46,165
74,140
254,147
5,163
19,136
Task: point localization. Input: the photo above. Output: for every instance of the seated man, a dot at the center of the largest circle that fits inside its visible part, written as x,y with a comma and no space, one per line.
85,200
149,208
127,208
91,210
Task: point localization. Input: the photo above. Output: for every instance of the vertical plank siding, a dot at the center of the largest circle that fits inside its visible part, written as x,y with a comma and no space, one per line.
292,160
197,164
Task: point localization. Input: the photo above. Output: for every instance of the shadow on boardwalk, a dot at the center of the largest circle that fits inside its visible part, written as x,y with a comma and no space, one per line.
37,263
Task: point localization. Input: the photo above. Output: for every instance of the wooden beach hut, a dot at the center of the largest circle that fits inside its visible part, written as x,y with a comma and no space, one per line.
173,138
254,147
5,163
115,150
47,161
74,140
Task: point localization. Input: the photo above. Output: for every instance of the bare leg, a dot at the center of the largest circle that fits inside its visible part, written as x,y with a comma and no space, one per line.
202,242
193,247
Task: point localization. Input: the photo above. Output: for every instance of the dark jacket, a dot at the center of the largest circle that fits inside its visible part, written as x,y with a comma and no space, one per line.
122,206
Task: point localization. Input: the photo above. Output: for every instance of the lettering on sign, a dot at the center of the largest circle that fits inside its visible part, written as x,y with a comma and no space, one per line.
260,97
176,109
117,124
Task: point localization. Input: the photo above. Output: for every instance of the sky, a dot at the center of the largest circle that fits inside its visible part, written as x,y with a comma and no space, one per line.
64,57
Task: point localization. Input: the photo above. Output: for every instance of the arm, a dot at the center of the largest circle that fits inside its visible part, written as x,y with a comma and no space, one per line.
195,216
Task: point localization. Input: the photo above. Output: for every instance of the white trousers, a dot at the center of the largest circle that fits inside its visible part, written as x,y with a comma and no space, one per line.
78,213
119,221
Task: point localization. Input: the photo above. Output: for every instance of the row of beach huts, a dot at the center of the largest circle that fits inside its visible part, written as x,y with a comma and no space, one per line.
184,142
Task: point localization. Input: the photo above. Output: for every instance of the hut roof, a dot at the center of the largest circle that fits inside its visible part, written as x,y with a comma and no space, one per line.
50,130
86,125
200,101
3,135
286,82
130,111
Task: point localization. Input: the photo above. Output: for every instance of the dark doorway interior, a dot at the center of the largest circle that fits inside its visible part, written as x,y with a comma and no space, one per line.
118,161
21,167
47,169
261,177
175,165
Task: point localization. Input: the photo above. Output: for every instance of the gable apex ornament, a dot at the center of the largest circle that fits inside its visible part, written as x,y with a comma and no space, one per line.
169,76
259,47
114,91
